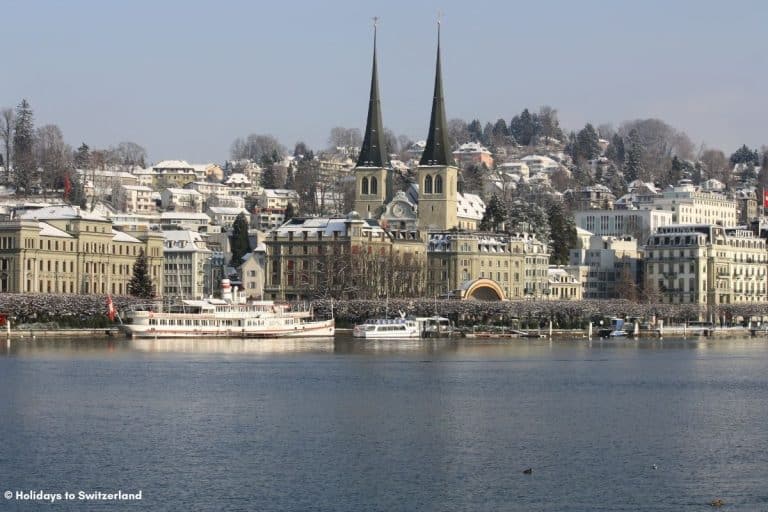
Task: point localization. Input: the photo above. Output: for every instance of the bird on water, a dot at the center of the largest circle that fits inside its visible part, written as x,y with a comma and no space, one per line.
528,471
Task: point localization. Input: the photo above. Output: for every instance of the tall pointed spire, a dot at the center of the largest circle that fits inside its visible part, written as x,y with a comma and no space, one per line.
437,150
373,153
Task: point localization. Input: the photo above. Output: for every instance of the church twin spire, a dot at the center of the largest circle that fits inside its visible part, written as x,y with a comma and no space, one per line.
373,153
437,150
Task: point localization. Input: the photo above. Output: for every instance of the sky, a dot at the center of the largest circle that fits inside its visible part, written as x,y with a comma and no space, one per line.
184,79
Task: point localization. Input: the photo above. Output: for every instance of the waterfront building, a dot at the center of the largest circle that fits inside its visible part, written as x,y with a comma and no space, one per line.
621,223
563,284
705,264
67,250
186,263
613,265
252,272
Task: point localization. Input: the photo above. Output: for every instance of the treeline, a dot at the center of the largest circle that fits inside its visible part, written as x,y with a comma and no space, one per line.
38,160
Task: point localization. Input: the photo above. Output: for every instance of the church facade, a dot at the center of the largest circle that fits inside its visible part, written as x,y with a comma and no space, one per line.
422,241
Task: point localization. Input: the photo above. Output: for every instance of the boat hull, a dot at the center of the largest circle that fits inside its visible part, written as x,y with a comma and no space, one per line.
321,328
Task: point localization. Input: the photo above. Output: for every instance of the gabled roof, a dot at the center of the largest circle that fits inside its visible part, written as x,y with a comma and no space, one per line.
119,236
48,230
61,213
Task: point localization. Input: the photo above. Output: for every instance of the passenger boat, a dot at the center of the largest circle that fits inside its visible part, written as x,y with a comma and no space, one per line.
384,328
411,327
227,317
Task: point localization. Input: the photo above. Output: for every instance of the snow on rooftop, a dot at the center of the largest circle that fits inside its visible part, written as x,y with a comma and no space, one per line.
119,236
172,164
48,230
60,213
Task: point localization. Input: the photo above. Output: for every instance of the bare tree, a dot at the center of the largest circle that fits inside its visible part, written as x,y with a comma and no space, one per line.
130,155
341,137
7,120
659,142
716,165
262,149
53,156
458,133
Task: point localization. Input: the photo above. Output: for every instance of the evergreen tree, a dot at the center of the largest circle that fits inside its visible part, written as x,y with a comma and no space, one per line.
83,156
615,149
238,240
23,141
140,284
744,155
289,181
527,217
587,144
269,177
563,229
494,216
524,128
632,159
289,212
475,130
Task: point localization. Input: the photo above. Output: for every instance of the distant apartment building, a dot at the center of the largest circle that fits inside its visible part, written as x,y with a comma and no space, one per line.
562,284
277,198
181,200
185,220
225,217
174,173
690,205
133,199
473,153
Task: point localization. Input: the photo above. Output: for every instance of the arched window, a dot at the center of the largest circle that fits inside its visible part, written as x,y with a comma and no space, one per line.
374,185
438,184
364,190
428,184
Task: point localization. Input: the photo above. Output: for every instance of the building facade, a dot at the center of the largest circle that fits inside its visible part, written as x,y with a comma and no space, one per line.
65,250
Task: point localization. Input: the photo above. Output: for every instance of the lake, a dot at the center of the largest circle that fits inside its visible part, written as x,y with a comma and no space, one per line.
342,425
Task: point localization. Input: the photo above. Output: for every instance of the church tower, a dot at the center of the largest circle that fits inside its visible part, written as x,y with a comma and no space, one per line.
371,173
437,174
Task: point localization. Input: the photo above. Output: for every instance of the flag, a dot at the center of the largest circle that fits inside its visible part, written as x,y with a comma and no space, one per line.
67,186
111,312
765,199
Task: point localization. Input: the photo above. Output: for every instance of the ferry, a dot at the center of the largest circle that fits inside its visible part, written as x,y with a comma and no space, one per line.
387,328
411,327
227,317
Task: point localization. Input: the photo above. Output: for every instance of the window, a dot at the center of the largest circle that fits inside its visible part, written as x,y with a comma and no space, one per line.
374,185
364,188
438,184
428,184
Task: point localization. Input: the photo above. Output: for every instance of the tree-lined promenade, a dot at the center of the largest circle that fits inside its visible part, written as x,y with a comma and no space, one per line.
91,310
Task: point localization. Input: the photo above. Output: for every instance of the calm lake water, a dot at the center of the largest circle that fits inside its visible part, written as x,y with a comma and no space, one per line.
391,426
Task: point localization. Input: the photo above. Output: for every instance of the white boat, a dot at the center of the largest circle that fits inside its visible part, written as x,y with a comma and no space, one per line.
219,318
418,327
228,317
385,328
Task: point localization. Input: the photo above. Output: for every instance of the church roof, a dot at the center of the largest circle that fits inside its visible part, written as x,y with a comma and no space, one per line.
437,150
373,153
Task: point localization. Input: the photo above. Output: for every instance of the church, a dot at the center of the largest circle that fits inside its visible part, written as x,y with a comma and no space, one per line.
423,241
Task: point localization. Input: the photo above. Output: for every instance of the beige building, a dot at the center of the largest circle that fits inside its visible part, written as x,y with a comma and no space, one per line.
133,199
706,265
66,250
562,284
174,173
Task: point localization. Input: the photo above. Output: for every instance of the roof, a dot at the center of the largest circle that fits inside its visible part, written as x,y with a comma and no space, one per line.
182,191
325,225
137,188
184,241
60,213
227,210
185,215
280,192
119,236
172,164
48,230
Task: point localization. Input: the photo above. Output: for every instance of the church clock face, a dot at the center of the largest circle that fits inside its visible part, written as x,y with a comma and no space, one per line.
398,210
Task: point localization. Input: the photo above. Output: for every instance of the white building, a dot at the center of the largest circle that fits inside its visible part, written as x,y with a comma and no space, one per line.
186,220
621,223
187,265
133,199
277,198
181,200
225,217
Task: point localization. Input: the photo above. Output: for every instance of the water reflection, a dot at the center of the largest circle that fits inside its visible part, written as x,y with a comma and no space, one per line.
235,345
344,344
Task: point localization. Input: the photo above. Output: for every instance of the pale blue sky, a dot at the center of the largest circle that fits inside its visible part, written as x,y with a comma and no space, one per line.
185,78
